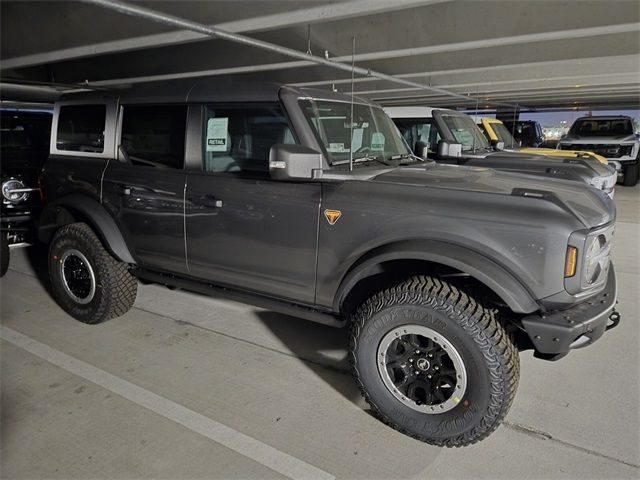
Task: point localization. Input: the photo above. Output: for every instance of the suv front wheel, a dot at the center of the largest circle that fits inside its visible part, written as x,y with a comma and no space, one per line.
87,281
433,363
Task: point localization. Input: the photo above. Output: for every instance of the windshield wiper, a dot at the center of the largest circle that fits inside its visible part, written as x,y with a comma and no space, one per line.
368,158
403,156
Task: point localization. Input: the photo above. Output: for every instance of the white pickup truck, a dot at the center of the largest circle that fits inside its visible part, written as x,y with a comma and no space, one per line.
610,136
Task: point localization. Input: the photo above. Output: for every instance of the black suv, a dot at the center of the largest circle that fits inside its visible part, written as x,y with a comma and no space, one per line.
310,203
527,132
24,143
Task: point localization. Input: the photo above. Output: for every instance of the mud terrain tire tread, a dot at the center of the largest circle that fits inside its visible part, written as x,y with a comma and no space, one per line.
116,288
480,323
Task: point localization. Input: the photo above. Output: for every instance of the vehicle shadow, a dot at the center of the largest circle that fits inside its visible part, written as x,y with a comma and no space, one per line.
323,350
37,256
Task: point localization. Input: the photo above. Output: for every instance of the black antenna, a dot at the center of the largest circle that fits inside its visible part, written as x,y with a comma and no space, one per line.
309,39
513,125
353,62
476,118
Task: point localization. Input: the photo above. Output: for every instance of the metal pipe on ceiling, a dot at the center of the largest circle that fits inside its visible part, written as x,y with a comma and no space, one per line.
171,20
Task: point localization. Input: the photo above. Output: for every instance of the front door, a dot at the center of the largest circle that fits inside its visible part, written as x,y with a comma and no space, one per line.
144,190
243,229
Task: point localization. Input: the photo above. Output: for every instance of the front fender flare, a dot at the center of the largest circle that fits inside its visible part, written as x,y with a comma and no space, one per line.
61,212
494,276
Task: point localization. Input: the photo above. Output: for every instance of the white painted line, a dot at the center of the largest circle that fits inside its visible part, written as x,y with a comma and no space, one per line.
251,448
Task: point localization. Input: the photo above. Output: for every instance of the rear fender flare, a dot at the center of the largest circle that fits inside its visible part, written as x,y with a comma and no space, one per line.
61,212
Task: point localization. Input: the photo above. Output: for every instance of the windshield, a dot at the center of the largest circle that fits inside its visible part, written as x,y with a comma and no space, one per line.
504,135
593,127
466,132
371,135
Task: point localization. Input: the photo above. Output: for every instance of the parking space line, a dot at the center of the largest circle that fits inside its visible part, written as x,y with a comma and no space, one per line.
249,447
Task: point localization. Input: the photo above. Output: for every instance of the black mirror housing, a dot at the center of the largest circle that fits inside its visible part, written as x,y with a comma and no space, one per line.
420,149
294,162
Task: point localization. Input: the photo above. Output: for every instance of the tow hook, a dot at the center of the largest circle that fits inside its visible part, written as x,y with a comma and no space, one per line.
614,320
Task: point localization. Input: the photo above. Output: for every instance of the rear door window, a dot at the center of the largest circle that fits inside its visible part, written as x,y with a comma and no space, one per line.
81,128
154,135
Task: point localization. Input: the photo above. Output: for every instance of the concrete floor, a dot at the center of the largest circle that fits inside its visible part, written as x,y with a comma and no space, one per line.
186,386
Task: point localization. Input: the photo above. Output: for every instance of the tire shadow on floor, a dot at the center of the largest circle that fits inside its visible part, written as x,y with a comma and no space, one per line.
323,350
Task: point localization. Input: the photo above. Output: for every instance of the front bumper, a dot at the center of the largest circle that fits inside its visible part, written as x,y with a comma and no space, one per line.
556,333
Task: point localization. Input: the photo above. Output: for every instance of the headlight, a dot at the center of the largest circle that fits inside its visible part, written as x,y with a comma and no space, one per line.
14,191
597,182
596,260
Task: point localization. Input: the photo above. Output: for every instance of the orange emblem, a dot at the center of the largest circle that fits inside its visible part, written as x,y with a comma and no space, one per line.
332,216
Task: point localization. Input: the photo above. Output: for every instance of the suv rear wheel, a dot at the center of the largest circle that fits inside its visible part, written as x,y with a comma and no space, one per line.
433,363
87,281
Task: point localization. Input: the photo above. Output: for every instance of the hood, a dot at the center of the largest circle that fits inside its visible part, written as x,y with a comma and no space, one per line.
590,206
591,140
550,166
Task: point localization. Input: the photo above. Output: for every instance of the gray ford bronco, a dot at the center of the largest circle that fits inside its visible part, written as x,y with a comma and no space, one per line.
310,203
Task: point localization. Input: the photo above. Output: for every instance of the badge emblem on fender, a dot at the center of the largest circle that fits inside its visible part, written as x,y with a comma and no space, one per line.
332,216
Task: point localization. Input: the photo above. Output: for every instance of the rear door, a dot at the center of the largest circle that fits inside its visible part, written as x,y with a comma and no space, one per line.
243,229
144,188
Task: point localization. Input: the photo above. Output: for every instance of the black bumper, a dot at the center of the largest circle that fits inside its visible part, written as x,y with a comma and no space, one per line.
554,334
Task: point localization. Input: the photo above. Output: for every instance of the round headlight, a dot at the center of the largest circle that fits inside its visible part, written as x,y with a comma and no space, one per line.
9,192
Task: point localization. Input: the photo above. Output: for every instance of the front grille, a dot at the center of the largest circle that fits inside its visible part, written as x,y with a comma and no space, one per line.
606,150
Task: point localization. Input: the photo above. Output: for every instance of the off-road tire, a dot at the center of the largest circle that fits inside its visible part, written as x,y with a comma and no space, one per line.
631,175
115,287
4,254
488,354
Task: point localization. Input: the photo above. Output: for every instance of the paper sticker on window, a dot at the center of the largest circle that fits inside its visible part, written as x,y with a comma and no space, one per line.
356,141
377,141
217,135
337,148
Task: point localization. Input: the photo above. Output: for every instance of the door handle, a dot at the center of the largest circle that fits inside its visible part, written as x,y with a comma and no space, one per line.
125,190
208,201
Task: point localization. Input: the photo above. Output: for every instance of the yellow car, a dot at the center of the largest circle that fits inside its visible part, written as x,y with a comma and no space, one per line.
497,133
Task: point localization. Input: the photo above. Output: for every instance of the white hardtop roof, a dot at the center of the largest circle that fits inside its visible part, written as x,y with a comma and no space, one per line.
410,112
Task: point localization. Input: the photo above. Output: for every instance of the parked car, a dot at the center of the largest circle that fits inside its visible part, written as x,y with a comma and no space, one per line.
310,203
527,132
452,137
24,144
610,136
500,138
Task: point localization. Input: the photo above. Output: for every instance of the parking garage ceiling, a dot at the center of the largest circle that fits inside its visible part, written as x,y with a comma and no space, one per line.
536,54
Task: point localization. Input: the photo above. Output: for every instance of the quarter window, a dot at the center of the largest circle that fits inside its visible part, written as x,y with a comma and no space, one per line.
81,128
154,135
238,138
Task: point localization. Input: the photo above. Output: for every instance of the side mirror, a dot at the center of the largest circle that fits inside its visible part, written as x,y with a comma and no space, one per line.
420,149
293,162
446,149
497,144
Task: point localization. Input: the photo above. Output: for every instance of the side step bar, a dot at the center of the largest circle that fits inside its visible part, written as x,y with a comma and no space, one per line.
251,299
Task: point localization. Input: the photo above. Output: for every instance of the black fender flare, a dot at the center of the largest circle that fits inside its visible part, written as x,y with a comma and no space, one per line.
61,212
494,276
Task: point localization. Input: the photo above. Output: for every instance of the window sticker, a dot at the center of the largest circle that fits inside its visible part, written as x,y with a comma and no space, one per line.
377,141
217,134
337,148
356,141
